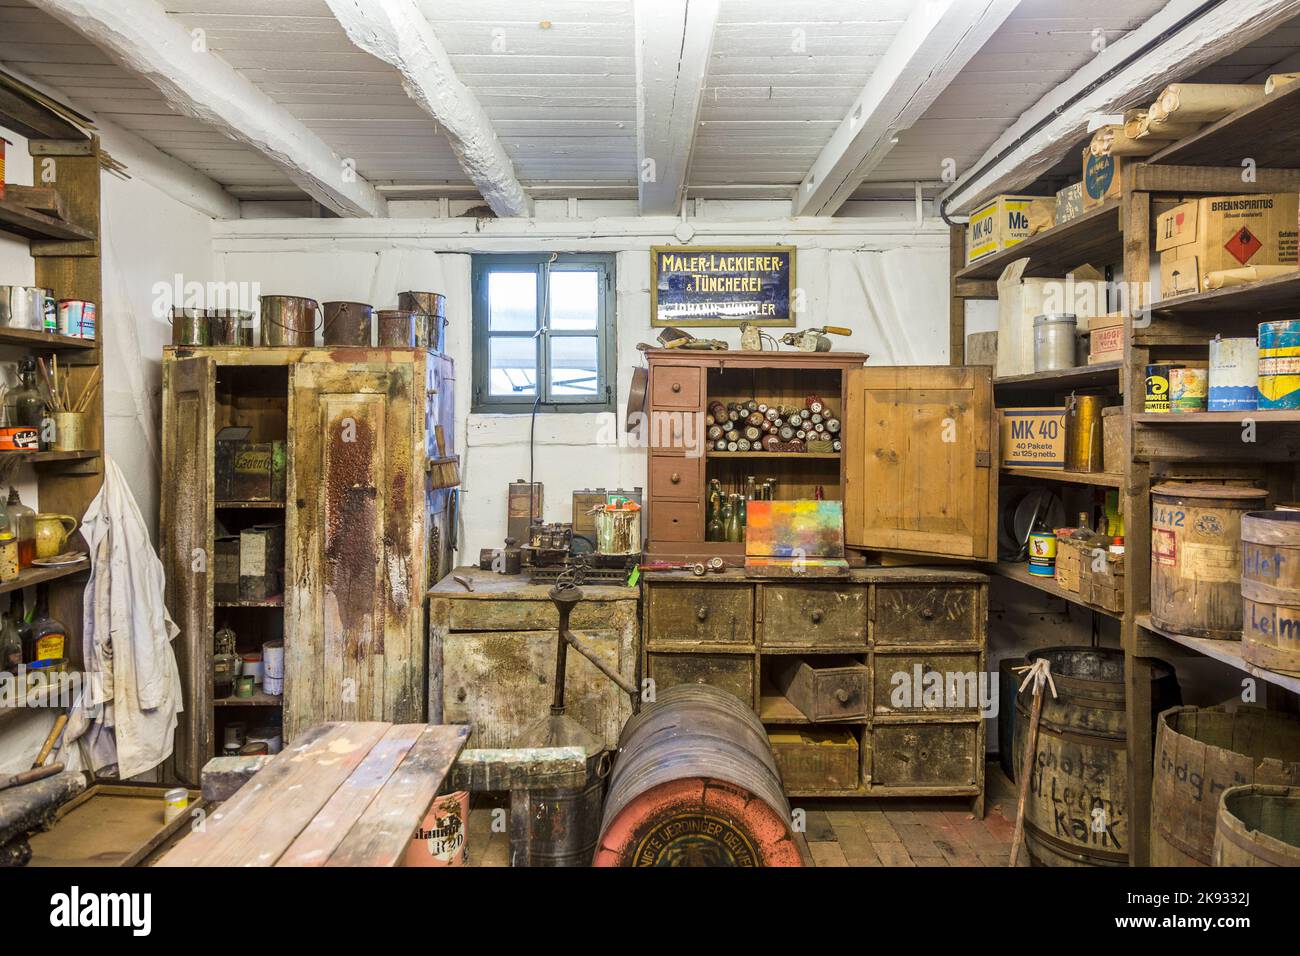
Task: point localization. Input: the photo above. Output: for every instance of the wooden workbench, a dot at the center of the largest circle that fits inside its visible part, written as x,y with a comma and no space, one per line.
343,794
492,655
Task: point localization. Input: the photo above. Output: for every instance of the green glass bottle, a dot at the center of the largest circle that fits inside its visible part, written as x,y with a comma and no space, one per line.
735,530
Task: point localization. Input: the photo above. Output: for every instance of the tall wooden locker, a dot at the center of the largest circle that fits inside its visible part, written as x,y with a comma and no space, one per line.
366,480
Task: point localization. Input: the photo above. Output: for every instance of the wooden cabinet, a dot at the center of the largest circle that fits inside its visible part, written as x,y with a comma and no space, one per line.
884,669
361,429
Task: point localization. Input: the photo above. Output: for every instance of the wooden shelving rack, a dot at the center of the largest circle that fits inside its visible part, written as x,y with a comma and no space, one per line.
1120,233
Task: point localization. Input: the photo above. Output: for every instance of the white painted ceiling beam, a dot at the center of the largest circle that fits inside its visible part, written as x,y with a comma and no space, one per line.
936,41
1221,30
141,35
397,32
673,42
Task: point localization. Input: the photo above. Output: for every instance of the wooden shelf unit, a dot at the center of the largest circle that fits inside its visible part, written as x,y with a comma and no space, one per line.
1206,163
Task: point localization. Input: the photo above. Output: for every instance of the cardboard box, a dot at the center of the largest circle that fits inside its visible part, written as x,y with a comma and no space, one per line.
1216,233
226,583
261,562
1082,292
1033,437
1004,221
1102,178
1106,338
1069,203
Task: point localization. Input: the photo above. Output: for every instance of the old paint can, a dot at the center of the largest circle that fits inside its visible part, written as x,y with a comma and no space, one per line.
440,839
1157,392
69,431
1202,751
19,438
398,328
231,328
191,327
77,318
1077,812
1042,553
1270,590
433,306
696,784
1188,387
1279,364
1258,825
1196,557
348,323
174,803
289,321
273,668
1234,375
1084,439
1055,338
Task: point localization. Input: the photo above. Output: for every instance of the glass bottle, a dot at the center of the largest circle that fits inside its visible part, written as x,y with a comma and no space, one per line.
22,521
27,401
751,488
18,614
715,500
11,644
8,555
716,530
49,637
734,526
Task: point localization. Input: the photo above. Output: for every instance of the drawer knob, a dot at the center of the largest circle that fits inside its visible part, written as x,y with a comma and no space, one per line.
701,613
816,616
842,696
676,479
461,695
927,614
677,386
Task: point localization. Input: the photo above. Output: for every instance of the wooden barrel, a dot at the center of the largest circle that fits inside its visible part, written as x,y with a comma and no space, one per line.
1259,825
1200,753
695,784
1196,557
1077,810
1270,590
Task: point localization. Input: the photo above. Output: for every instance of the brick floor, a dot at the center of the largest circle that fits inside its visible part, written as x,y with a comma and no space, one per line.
845,832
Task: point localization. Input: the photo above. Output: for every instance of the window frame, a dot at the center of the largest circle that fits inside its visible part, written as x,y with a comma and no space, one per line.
542,264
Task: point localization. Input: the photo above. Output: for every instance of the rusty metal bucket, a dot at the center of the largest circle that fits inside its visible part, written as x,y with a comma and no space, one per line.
431,305
289,321
399,328
348,323
231,328
191,327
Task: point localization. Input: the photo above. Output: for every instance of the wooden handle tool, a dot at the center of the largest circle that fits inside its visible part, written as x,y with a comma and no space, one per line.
49,741
30,776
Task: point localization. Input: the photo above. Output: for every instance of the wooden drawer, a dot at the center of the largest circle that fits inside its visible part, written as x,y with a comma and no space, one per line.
677,431
924,755
815,759
834,615
491,615
676,520
675,386
903,685
822,688
733,673
675,476
942,614
707,614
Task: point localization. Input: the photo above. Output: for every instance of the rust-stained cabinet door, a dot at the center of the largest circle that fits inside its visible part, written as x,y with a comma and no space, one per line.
920,471
186,525
354,542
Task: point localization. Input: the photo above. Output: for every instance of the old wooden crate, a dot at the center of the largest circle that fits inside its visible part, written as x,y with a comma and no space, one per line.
811,760
823,688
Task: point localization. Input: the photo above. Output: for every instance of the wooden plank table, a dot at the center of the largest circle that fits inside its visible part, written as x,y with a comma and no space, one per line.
345,794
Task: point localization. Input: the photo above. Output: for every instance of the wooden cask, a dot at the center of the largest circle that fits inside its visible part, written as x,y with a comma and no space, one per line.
1258,826
1078,806
1270,590
1196,557
1200,753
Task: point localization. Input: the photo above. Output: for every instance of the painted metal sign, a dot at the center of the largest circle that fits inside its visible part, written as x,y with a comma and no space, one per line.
721,285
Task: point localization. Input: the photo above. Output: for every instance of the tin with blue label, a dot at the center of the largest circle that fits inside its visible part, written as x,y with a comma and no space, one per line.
77,318
1279,364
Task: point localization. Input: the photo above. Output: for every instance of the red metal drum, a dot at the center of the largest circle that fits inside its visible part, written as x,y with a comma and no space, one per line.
695,784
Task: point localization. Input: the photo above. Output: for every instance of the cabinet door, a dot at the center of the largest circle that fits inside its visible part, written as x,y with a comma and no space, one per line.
921,449
187,550
354,647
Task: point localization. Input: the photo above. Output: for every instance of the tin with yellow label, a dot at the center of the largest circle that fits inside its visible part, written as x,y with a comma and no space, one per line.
1158,398
1279,364
1042,553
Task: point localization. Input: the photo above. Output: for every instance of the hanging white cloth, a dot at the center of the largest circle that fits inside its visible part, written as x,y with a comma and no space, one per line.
127,712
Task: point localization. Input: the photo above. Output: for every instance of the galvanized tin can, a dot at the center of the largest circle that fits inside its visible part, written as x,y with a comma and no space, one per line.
191,327
398,328
348,323
231,328
433,307
1234,375
289,320
1054,341
77,318
1279,364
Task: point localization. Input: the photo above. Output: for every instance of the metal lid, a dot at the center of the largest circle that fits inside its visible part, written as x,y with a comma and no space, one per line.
1194,489
1069,317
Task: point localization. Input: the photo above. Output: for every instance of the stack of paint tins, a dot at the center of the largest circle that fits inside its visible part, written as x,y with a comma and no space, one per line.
1176,387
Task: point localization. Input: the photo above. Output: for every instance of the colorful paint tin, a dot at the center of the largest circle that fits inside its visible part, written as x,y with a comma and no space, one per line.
1279,364
1157,394
1042,553
77,318
1187,388
1234,375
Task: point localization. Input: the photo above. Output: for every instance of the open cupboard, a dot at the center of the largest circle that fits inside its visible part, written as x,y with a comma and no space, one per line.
367,528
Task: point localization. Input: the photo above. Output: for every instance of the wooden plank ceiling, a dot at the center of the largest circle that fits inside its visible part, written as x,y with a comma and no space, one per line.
557,81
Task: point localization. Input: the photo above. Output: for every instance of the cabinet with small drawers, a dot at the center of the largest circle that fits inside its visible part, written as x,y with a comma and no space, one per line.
885,664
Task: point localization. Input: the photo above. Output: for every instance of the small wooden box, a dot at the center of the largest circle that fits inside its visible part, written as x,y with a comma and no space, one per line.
824,688
1069,564
1104,585
811,760
261,562
225,586
1112,439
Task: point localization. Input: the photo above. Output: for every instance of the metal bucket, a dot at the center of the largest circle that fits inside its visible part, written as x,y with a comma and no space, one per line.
433,306
231,328
191,327
561,825
289,320
1258,826
1202,751
348,323
1077,813
696,784
1279,364
398,328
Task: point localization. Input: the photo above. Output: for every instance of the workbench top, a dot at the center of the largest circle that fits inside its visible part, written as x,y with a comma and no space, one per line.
490,586
942,574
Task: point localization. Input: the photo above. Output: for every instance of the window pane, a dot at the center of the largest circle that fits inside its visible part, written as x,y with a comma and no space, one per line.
512,301
512,367
575,300
573,366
